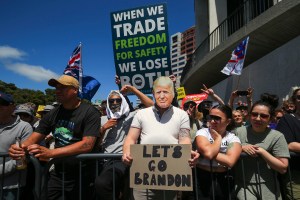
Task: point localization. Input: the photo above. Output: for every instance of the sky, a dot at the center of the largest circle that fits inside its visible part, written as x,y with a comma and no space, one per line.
37,38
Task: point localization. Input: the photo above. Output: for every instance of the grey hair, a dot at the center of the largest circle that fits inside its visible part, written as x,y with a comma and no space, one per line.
164,81
113,93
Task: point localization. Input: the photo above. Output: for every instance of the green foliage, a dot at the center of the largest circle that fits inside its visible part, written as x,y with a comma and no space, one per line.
26,95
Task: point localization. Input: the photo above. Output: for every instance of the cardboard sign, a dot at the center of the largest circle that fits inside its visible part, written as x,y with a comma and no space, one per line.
141,45
161,166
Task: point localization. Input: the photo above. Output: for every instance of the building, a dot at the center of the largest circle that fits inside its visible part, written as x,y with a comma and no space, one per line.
273,55
182,49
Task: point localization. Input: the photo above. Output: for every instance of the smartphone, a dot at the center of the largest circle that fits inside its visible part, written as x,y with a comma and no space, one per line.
242,93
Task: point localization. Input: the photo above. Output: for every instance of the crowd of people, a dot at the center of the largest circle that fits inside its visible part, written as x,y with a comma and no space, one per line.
263,132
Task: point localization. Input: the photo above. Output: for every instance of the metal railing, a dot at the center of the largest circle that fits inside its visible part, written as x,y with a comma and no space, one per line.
42,171
249,10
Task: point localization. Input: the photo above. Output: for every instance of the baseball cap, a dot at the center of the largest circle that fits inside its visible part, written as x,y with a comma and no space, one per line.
6,99
205,105
188,102
23,108
64,80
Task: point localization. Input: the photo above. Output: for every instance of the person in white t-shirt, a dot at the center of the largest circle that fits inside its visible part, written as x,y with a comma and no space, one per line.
220,150
160,124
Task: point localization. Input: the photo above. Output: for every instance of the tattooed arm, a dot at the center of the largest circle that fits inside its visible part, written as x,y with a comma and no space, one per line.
184,136
84,146
232,155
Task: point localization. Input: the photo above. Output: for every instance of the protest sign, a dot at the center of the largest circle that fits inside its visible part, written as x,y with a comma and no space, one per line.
141,45
197,98
161,166
180,93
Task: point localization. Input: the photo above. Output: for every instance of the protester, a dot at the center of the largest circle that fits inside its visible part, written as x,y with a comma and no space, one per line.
243,107
274,121
289,125
49,140
266,148
289,106
25,112
160,124
237,117
220,149
114,128
195,124
75,127
11,127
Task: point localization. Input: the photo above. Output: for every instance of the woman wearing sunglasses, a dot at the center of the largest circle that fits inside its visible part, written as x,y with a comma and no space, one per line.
220,149
267,151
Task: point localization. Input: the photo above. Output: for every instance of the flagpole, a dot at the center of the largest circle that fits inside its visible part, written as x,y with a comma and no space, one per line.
80,70
238,83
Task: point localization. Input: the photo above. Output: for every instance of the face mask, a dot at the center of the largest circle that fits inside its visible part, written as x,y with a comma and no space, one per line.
115,107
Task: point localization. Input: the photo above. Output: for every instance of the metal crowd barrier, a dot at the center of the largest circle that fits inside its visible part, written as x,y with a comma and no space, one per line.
41,174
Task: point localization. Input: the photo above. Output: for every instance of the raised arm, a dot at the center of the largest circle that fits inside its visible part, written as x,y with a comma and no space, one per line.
144,98
212,94
231,99
249,98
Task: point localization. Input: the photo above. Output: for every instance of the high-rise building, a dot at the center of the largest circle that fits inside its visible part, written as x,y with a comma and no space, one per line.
182,48
272,59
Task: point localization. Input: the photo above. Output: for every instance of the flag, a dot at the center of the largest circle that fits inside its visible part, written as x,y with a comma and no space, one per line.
74,66
89,87
235,64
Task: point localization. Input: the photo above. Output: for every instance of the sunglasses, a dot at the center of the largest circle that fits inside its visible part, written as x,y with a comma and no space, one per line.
187,106
261,115
298,97
217,119
117,100
24,115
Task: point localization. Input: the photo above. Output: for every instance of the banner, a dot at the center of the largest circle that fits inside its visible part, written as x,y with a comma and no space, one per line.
141,45
161,166
197,98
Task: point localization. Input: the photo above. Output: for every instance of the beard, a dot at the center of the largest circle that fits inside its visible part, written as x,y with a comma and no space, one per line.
115,108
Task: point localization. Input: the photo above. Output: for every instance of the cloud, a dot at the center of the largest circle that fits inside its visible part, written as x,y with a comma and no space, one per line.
35,73
7,52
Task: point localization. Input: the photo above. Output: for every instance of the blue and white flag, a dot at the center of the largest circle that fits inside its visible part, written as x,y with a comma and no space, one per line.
236,62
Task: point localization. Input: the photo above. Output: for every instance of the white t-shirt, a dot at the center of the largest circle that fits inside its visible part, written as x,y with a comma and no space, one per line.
160,130
226,140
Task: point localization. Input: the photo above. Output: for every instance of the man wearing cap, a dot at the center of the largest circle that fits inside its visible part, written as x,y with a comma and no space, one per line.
75,127
11,126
